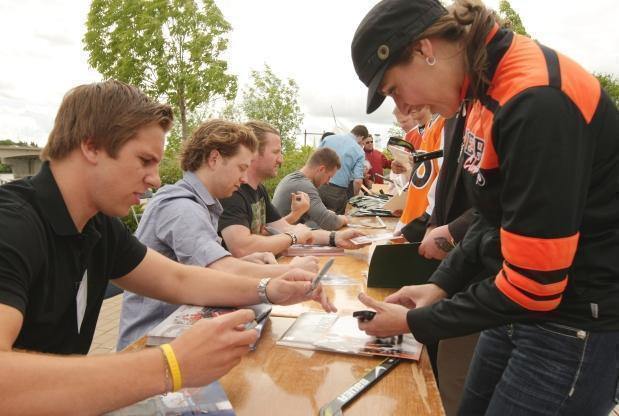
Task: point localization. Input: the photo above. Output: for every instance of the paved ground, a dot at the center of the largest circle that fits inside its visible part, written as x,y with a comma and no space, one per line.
106,332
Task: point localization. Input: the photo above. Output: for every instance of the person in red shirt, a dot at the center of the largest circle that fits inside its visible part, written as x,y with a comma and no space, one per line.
377,159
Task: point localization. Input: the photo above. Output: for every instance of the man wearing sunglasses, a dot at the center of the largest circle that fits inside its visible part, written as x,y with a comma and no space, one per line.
377,159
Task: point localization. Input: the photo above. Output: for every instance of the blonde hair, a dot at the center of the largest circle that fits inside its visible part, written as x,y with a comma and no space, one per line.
224,136
260,129
109,113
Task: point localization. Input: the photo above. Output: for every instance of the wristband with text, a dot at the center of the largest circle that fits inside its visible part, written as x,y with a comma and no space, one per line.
175,370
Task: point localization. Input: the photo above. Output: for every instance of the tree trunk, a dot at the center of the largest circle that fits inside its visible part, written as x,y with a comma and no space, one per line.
182,109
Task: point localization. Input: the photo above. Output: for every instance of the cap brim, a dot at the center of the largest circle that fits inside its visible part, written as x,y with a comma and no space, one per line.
375,99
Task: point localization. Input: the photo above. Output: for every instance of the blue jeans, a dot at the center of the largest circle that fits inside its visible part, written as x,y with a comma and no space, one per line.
542,369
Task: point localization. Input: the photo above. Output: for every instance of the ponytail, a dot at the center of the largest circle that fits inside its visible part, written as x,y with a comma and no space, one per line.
479,20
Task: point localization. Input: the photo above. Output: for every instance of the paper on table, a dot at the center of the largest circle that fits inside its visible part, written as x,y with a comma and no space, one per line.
366,239
315,330
397,202
401,155
346,305
338,280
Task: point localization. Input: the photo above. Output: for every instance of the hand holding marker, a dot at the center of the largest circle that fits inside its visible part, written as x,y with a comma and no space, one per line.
321,274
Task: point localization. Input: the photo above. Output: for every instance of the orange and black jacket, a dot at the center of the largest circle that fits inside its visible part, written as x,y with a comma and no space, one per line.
541,168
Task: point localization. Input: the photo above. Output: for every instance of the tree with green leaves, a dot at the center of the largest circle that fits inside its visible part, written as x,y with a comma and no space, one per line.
21,143
168,48
270,99
511,19
610,83
396,131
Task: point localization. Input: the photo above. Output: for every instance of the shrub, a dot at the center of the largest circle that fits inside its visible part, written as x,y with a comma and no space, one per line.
293,160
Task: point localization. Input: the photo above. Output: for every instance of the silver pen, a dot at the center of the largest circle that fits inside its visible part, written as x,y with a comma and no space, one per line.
321,274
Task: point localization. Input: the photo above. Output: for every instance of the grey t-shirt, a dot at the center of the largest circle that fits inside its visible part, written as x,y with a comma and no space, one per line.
180,222
318,215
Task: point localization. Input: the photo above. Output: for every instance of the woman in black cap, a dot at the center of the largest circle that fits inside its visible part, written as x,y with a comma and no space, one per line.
540,160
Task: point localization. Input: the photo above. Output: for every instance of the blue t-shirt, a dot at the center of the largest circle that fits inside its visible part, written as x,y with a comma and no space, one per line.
351,156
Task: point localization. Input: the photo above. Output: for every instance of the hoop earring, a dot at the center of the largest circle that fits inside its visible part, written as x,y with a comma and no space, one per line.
430,60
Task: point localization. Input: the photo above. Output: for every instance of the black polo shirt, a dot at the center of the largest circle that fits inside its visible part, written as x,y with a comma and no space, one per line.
43,259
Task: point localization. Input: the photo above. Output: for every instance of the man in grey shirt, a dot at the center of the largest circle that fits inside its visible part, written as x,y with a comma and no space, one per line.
318,170
181,220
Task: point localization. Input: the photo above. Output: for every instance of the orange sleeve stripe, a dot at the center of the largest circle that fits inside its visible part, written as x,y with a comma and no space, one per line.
532,286
543,254
521,299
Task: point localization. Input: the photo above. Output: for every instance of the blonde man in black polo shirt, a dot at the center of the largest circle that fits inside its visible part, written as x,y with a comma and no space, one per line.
60,244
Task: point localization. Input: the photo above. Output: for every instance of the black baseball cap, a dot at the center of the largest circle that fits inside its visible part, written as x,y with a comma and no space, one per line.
382,34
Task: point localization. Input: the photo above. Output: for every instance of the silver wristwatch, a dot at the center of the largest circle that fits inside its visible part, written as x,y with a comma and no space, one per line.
262,291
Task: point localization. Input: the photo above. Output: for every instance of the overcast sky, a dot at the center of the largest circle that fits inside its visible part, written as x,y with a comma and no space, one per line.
41,54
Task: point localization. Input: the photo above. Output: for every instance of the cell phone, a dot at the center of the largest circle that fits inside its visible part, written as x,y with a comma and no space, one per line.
364,316
321,274
251,325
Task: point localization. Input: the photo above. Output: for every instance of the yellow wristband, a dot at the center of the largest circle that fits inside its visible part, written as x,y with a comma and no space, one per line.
175,370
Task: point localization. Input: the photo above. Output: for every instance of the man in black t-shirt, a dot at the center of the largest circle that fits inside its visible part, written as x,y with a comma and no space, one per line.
249,209
256,202
60,244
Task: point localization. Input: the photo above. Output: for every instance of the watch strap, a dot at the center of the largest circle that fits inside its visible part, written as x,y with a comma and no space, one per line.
262,291
332,239
293,237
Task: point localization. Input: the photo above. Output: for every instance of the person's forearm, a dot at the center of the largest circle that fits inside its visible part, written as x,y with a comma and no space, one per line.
325,218
459,226
274,244
246,268
321,237
55,385
182,284
204,286
293,217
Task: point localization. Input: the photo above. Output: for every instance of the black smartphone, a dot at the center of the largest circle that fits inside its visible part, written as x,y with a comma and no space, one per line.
364,316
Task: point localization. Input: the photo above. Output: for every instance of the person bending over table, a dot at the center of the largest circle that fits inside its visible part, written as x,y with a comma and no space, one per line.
181,220
249,210
541,162
61,242
317,171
